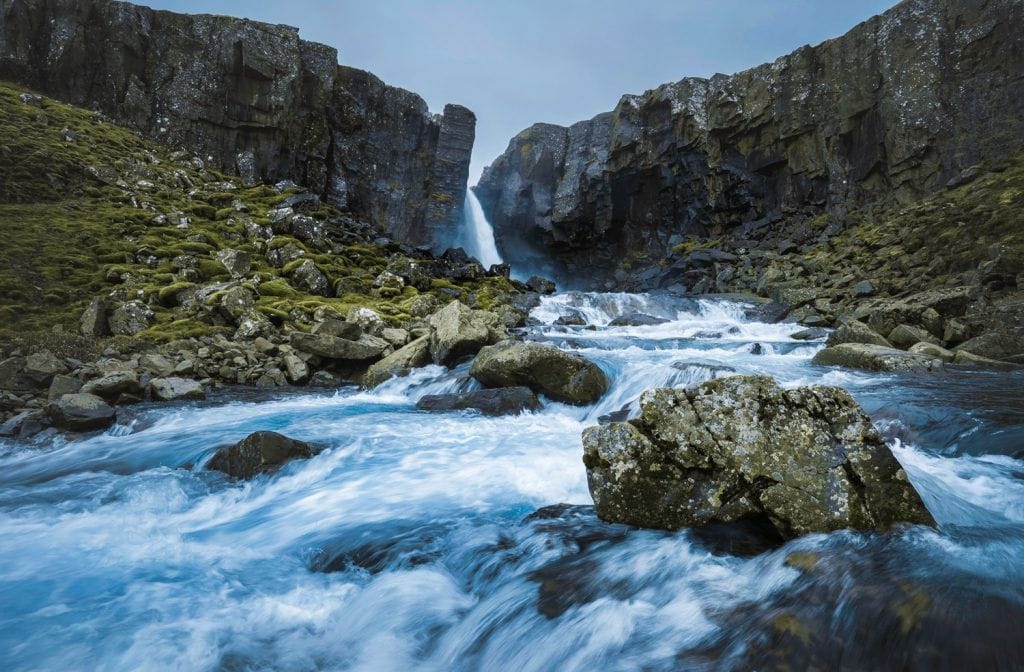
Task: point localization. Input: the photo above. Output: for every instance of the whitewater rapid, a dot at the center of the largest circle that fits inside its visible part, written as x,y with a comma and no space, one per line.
413,541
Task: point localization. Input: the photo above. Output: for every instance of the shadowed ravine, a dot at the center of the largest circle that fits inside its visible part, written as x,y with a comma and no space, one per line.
415,542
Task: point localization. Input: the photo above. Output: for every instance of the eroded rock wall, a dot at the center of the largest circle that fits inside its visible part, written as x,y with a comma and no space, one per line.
255,100
889,112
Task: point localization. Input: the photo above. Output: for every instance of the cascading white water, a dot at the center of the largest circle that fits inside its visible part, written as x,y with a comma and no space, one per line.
477,236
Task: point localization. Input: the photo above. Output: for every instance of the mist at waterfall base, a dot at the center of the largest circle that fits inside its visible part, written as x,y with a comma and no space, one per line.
430,541
476,236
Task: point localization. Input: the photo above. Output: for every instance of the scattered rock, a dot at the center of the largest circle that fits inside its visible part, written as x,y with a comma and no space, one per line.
81,412
875,358
855,331
61,385
94,318
333,347
496,401
113,384
308,278
156,364
41,367
545,369
176,389
237,262
742,447
904,336
367,319
864,288
1000,343
296,370
932,350
811,334
540,285
260,452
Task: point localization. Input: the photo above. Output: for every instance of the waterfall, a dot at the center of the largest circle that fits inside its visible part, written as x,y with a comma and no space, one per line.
477,236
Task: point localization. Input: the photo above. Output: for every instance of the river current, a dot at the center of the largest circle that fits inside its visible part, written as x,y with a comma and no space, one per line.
453,541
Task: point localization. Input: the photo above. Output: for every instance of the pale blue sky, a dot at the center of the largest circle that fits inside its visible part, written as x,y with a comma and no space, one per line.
559,61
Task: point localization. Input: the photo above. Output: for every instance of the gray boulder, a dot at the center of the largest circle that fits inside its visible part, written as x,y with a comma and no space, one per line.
545,369
112,384
1000,343
460,332
905,335
497,401
855,331
875,358
237,262
410,356
932,350
81,412
637,320
130,318
333,347
260,452
308,278
61,385
94,318
808,460
41,367
176,389
335,327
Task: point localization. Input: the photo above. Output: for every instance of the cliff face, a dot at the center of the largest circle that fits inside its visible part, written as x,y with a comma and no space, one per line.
255,99
893,110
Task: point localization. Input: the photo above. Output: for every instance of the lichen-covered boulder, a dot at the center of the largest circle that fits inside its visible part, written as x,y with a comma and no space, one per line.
130,318
875,358
308,278
497,401
808,460
460,331
545,369
260,452
81,412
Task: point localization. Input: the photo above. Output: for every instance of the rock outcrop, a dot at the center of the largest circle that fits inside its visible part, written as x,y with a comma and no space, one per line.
905,103
808,460
263,103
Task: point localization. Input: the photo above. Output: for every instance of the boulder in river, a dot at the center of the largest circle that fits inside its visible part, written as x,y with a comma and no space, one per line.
741,447
495,401
81,412
260,452
855,331
637,320
460,331
400,362
545,369
875,358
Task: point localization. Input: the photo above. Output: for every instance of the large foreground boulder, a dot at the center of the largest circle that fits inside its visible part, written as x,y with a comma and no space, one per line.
496,401
875,358
260,452
545,369
808,460
460,331
81,412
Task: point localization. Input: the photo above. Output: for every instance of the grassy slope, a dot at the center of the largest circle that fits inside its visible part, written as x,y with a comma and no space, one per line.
74,217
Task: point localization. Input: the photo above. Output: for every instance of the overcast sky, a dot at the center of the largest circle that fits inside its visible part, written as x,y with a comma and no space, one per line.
517,62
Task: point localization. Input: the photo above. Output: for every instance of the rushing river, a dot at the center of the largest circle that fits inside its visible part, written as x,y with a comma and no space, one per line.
414,540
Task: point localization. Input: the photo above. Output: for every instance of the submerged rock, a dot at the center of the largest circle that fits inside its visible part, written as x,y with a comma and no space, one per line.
742,447
260,452
545,369
875,358
496,401
81,412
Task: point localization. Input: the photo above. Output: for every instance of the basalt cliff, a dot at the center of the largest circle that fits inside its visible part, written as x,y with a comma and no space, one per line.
255,101
923,98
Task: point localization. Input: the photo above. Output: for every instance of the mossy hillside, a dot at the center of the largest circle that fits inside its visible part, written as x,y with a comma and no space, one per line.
88,208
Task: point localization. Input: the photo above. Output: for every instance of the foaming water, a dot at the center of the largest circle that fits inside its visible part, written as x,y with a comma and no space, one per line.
411,541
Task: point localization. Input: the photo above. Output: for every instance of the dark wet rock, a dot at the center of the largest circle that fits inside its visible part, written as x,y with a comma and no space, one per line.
808,459
767,312
875,358
541,285
459,332
757,349
855,331
260,452
637,320
864,288
812,334
545,369
620,415
494,401
176,389
573,318
81,412
257,100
